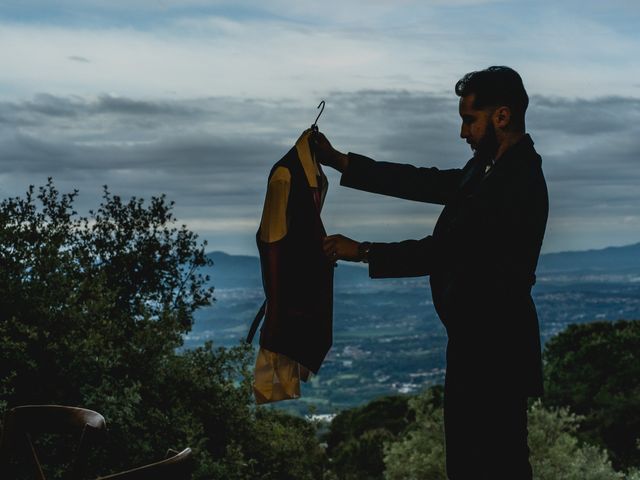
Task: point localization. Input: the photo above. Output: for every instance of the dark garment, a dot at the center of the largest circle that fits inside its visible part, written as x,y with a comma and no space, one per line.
486,435
481,259
298,277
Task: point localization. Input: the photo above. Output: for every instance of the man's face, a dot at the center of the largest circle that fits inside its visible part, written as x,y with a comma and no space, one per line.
477,128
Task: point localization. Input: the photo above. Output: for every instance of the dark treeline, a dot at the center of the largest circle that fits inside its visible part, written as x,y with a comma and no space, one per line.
93,312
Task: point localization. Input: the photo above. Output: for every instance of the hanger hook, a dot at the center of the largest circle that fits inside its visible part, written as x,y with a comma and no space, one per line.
314,127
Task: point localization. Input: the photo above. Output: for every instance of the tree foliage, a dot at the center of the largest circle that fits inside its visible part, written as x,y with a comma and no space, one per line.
356,437
92,312
594,369
419,453
557,454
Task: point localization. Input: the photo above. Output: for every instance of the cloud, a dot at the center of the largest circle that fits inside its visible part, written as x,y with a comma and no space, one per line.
198,98
592,142
286,49
212,156
78,58
577,117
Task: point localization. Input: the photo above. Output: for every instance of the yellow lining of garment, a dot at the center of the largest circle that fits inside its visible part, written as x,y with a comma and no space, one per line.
273,225
276,377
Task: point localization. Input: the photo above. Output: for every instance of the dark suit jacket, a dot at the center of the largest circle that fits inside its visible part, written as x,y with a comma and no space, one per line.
481,259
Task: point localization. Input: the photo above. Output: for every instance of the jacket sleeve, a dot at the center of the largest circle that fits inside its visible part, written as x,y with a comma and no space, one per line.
421,184
410,258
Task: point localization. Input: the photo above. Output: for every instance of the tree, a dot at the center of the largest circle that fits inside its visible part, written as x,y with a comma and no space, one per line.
92,312
594,369
107,292
356,436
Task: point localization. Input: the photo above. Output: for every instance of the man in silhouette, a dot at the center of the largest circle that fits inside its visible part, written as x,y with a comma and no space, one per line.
481,260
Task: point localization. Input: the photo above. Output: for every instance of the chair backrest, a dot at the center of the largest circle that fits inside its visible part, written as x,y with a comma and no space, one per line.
174,467
21,423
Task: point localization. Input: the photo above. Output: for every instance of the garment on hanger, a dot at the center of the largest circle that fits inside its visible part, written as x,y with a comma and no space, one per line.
297,277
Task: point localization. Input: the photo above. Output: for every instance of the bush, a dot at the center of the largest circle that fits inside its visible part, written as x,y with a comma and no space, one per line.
556,453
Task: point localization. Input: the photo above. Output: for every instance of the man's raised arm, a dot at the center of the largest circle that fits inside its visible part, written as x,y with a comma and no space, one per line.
421,184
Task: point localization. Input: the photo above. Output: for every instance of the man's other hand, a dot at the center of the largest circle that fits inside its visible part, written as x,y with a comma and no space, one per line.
339,247
326,154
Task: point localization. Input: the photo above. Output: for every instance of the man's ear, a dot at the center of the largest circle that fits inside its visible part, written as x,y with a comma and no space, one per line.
502,117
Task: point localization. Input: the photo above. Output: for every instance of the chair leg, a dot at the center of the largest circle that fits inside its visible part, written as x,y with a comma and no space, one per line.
36,463
80,464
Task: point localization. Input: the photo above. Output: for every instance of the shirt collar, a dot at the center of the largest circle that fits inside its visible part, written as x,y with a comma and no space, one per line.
512,153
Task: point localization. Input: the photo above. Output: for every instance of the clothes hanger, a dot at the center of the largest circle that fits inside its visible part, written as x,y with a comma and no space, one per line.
314,127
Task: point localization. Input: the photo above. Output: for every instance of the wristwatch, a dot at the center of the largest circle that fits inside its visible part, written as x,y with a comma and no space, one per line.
363,251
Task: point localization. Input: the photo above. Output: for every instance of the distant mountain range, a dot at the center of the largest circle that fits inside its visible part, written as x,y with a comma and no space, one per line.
610,260
243,271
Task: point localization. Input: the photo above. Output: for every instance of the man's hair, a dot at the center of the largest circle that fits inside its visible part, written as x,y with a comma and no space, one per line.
494,87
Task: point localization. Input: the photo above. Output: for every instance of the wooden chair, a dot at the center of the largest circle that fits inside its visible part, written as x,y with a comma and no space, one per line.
175,467
22,423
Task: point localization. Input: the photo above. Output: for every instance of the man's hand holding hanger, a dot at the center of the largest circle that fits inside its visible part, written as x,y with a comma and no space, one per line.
326,154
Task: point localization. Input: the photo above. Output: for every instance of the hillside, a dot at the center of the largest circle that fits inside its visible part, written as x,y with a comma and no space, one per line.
610,260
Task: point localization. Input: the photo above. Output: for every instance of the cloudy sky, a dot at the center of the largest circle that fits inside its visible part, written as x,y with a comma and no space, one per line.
197,99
